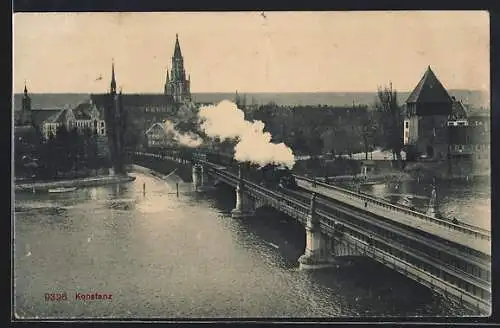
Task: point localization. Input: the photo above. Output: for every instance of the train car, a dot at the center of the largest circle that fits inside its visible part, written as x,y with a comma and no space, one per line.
275,176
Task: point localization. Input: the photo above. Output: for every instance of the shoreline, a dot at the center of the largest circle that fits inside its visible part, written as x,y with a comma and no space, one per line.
81,182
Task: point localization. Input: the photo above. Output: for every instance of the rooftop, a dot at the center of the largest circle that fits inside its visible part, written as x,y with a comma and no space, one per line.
429,90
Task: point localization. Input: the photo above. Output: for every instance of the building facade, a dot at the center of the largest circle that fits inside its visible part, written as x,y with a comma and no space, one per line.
84,116
158,136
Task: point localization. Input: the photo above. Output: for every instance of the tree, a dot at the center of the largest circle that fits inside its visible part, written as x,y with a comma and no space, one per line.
390,120
91,148
299,142
368,130
74,140
315,142
62,147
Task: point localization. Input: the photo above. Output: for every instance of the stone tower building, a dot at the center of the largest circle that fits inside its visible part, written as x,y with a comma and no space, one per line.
429,106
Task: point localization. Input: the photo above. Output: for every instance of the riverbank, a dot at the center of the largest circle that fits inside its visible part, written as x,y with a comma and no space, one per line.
142,169
83,182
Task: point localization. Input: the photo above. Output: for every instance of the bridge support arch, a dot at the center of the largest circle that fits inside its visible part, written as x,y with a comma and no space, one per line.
318,246
245,206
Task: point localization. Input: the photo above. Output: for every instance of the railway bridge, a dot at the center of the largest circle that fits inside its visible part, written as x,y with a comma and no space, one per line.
452,259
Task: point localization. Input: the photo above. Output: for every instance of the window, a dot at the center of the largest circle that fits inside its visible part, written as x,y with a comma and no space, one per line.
102,124
406,125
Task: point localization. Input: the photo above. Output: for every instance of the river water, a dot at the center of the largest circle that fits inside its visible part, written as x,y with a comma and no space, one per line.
163,256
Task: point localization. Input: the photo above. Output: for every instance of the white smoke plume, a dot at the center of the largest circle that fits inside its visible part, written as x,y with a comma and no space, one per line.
226,120
186,139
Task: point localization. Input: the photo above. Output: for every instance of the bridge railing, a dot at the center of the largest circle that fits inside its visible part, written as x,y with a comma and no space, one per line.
410,269
416,273
476,231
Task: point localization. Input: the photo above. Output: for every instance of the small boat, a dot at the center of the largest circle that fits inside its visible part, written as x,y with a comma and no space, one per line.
59,190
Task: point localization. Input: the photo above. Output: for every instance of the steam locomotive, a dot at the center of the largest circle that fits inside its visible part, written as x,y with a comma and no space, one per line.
270,175
277,176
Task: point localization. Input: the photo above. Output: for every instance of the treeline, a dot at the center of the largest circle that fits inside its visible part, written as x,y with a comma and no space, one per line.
63,154
314,130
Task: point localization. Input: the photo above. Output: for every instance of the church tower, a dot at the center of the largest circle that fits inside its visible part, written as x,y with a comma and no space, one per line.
112,89
176,84
26,109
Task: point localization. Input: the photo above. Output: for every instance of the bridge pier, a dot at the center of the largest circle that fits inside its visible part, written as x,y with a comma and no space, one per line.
197,175
317,253
244,204
431,210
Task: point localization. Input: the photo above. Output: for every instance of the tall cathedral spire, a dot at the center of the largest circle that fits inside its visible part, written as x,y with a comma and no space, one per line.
113,80
176,84
177,50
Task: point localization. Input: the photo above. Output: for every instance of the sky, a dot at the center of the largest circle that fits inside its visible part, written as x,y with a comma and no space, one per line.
251,51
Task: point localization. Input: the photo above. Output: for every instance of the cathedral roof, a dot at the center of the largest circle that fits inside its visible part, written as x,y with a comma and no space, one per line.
41,115
83,111
59,117
429,90
135,100
44,101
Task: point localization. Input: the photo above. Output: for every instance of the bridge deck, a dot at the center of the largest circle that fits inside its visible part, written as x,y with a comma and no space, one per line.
426,226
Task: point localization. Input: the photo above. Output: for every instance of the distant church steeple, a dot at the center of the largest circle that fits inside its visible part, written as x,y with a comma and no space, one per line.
113,79
26,118
176,84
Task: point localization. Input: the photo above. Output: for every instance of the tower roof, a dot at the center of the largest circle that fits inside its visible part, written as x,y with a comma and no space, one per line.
177,50
429,90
